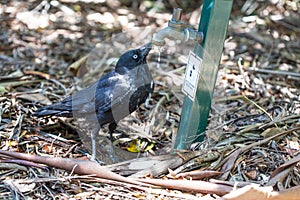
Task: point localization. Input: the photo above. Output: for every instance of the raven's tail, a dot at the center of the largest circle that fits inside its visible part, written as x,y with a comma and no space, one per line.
61,108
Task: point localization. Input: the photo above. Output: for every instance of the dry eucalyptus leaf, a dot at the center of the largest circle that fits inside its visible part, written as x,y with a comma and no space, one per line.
22,187
36,97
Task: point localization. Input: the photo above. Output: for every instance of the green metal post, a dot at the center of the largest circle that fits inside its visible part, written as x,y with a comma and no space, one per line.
194,115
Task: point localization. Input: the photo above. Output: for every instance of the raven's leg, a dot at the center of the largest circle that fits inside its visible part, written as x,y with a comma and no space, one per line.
94,132
112,127
147,102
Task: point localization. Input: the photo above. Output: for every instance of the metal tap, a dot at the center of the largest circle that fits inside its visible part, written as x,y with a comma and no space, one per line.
176,30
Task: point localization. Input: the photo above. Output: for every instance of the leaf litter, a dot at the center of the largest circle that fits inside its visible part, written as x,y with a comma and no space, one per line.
252,139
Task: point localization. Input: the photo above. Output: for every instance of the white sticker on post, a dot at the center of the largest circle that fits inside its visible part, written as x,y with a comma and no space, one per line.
191,77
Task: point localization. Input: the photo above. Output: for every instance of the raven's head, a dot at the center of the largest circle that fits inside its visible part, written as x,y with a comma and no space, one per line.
133,58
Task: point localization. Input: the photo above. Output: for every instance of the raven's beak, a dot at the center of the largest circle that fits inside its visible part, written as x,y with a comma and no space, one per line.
146,49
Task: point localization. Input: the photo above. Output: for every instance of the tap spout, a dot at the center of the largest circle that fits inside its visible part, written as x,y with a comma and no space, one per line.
176,30
170,33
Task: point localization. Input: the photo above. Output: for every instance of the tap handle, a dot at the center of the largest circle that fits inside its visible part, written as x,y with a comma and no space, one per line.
176,14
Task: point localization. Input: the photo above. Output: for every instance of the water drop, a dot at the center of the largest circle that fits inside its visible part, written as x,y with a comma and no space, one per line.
160,49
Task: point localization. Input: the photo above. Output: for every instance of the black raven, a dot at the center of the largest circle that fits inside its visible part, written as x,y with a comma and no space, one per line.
113,97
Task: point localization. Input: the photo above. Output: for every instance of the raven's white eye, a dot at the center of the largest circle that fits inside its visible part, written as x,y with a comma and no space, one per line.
135,56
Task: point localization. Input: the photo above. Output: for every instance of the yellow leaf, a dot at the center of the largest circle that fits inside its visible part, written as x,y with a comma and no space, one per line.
133,146
138,145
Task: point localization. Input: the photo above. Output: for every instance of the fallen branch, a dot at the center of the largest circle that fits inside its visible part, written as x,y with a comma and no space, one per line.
81,167
190,186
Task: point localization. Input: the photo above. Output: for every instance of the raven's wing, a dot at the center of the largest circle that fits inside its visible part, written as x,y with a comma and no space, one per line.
112,98
96,97
101,96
